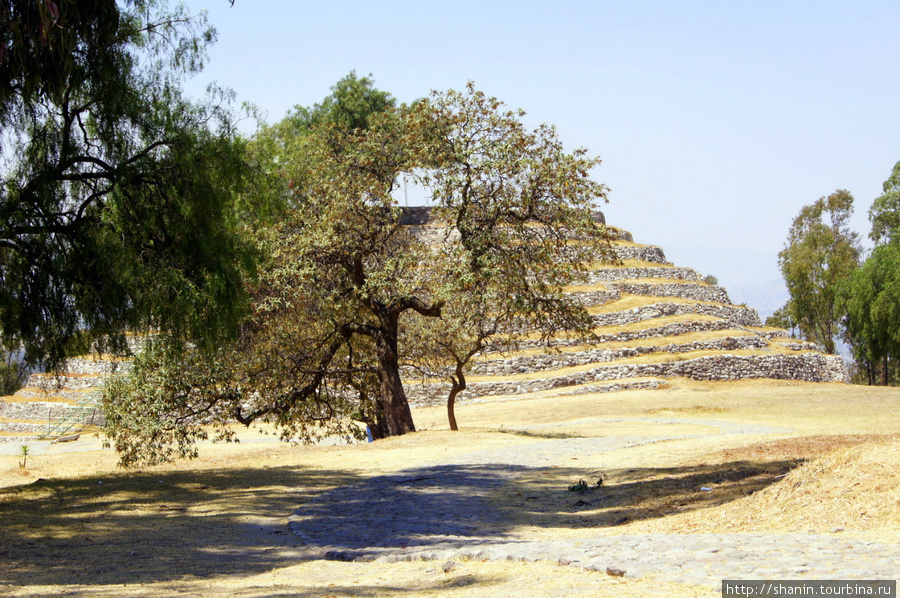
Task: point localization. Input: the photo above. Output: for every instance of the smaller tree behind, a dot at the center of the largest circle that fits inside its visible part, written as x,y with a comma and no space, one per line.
781,318
820,253
520,208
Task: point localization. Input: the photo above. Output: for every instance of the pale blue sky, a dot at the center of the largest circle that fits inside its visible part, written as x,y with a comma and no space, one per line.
716,120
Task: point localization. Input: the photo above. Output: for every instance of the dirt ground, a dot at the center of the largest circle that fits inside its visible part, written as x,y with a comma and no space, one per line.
74,524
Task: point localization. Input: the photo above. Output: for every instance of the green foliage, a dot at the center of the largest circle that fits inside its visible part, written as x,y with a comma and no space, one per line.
170,399
711,280
782,318
351,104
14,370
820,253
885,211
870,300
154,385
119,198
24,450
323,344
42,46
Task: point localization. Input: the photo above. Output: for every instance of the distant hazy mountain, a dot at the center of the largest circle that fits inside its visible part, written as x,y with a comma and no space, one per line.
766,297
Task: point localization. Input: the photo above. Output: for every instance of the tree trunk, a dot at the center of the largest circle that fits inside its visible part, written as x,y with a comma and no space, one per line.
828,342
394,404
377,426
397,416
395,407
451,401
457,385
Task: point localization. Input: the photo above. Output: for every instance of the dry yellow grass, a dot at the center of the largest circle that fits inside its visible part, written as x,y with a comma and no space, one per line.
853,487
599,286
216,526
631,301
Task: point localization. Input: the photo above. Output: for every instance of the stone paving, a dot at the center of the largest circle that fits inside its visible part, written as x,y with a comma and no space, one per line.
441,511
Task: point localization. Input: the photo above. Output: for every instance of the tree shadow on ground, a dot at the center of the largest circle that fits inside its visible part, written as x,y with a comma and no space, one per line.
451,505
154,526
553,498
166,526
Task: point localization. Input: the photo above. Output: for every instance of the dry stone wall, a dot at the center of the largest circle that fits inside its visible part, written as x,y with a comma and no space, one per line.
666,330
614,274
553,361
696,299
49,399
434,235
648,253
52,383
734,314
810,367
600,297
801,346
687,290
90,365
617,234
44,412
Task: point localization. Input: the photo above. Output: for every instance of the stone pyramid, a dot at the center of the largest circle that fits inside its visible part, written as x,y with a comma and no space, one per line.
654,321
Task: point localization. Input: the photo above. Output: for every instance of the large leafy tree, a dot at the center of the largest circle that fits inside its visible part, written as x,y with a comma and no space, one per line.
821,251
119,197
870,300
324,342
885,211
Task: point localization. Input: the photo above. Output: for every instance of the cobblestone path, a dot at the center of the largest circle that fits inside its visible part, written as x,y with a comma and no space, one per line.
441,511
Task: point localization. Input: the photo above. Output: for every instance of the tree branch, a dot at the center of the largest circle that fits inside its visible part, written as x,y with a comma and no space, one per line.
416,304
